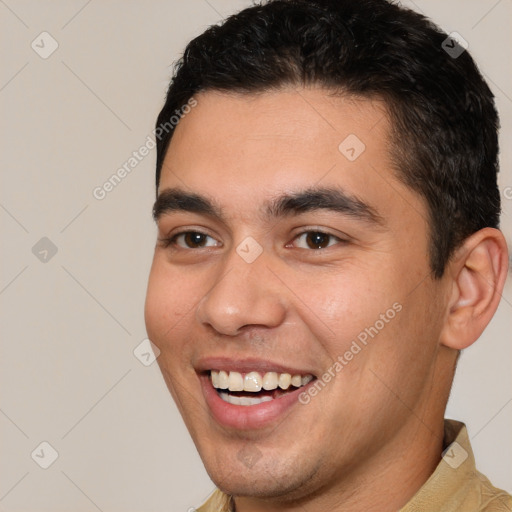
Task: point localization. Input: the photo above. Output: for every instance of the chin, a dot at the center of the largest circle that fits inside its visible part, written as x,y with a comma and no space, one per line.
260,477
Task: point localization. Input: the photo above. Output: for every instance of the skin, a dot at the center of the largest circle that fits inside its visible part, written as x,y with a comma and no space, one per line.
373,435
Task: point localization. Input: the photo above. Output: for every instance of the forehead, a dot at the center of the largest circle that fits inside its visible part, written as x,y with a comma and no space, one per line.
281,125
243,148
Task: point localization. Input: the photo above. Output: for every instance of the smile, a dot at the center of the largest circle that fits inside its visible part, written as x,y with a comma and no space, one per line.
253,388
248,394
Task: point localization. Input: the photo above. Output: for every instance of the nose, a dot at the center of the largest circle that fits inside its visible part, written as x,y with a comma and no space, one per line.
244,294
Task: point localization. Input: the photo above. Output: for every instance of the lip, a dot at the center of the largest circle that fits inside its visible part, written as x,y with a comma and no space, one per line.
248,365
242,417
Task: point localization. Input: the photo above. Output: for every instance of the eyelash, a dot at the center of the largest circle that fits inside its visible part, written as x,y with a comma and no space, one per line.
171,241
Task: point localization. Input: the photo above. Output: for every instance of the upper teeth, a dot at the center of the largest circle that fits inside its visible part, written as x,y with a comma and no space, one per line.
254,382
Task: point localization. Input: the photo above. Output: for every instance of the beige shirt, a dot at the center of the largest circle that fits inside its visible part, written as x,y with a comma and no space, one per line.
455,485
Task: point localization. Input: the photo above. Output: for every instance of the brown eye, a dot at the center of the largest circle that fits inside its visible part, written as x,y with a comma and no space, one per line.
193,240
316,240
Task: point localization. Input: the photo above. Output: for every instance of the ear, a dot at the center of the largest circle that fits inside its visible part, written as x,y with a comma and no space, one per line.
477,274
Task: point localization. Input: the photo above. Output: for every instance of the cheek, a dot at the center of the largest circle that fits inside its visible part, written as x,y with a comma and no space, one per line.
166,306
165,311
157,306
169,296
347,303
402,357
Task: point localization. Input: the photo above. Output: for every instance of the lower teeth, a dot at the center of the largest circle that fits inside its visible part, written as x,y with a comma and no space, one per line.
243,400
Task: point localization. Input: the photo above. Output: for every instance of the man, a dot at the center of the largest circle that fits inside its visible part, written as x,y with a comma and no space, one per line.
327,212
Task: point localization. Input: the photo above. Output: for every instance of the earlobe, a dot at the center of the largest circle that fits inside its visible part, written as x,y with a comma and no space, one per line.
477,271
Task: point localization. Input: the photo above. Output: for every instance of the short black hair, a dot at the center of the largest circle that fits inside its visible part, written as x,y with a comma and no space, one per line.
444,121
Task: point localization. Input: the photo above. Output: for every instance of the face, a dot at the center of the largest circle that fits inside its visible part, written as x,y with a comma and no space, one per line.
290,292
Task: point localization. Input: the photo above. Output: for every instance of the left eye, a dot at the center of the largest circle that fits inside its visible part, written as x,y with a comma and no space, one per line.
316,240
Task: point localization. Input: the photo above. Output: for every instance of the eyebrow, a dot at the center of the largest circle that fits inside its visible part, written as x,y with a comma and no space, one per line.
295,203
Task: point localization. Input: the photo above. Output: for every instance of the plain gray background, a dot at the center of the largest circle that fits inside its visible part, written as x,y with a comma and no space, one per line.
70,321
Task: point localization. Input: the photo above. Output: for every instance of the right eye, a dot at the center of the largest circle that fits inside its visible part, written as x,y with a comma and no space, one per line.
190,240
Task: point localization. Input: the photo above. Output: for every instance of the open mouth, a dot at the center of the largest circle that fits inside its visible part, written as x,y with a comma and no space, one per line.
254,388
